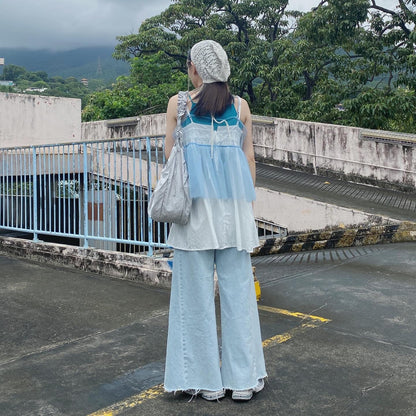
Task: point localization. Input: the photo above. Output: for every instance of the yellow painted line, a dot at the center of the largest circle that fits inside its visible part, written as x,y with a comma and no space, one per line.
131,402
281,338
294,314
158,390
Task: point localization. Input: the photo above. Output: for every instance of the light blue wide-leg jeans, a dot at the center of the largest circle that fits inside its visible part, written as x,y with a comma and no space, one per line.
193,358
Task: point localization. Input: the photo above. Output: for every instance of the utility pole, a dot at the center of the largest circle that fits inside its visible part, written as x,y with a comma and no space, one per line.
99,69
2,66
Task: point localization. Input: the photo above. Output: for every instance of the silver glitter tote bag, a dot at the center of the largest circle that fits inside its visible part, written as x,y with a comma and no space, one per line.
170,200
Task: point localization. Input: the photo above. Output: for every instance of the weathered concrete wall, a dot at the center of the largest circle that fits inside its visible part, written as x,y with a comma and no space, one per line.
338,150
319,148
32,119
150,270
153,125
300,215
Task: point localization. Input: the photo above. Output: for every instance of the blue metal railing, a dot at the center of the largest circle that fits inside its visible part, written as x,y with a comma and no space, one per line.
94,191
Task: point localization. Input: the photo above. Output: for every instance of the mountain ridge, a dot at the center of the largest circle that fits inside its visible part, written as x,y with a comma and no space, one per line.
88,62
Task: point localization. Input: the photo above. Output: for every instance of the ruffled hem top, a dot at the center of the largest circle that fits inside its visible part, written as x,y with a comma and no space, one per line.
220,184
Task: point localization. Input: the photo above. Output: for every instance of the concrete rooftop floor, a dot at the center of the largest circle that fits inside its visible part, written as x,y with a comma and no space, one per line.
338,327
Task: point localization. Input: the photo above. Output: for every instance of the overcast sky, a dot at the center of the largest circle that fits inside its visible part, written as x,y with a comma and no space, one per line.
69,24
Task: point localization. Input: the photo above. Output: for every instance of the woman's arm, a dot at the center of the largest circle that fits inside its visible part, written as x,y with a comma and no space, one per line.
171,119
248,148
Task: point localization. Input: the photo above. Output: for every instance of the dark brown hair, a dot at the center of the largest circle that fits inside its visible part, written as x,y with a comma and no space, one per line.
213,99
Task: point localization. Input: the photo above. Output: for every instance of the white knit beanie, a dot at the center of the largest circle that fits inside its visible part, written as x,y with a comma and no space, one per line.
211,61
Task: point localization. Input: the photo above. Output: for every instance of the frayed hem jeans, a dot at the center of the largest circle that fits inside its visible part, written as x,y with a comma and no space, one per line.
193,356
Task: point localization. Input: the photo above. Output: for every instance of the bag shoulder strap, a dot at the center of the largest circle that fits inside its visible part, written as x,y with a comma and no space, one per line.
182,102
239,105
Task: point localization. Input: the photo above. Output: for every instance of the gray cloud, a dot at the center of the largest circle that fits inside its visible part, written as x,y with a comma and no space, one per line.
68,24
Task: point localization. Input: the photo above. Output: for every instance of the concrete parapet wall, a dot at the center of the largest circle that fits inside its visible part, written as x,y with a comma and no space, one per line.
152,125
139,268
32,119
340,151
347,152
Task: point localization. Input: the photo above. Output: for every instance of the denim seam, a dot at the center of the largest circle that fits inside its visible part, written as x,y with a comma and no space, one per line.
183,328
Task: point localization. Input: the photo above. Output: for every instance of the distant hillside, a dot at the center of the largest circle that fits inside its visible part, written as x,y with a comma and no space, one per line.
90,63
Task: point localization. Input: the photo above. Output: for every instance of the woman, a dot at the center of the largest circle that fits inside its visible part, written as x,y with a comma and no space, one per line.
220,235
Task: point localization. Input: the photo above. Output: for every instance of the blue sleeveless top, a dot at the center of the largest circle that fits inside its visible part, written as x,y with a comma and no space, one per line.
217,165
221,186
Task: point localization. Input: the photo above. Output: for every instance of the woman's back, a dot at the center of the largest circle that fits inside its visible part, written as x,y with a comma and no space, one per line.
220,184
216,163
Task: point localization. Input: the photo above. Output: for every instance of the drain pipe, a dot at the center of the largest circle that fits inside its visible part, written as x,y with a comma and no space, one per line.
313,136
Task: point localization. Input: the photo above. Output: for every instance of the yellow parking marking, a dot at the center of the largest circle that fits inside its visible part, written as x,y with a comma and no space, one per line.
281,338
131,402
312,321
294,314
134,401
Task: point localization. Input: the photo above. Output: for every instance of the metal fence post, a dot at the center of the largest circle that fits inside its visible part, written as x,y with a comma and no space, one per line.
85,202
35,195
149,194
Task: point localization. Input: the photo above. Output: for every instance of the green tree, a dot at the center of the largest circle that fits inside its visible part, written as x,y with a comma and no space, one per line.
354,56
146,91
42,75
386,99
13,72
246,28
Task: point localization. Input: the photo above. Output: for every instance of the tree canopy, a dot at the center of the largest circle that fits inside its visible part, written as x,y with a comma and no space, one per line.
40,83
348,62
